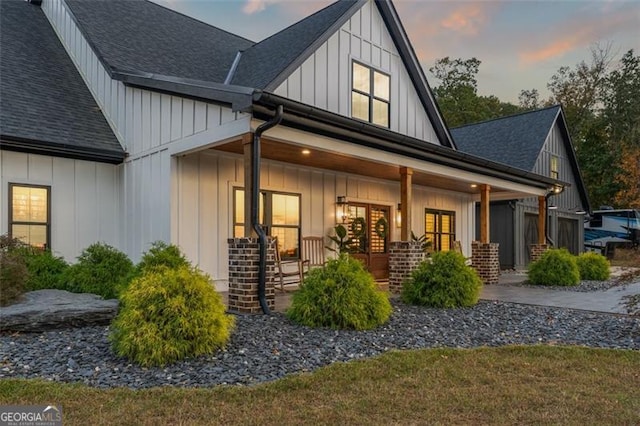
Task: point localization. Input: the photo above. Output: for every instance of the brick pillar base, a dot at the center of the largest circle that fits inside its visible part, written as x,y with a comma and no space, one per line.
244,261
536,250
404,257
486,261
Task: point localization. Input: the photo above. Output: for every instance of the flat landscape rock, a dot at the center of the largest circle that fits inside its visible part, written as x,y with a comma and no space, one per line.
43,310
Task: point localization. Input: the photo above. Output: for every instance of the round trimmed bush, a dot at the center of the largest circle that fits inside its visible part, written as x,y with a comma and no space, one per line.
445,282
45,270
556,267
168,315
341,295
101,269
162,254
593,266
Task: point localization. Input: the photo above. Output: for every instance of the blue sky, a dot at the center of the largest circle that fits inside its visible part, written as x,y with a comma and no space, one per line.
521,43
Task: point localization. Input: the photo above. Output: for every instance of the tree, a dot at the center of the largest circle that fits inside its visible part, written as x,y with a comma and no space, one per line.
529,99
579,90
628,195
457,94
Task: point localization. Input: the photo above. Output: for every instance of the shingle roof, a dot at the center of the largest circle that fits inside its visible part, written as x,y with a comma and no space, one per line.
515,140
138,35
44,103
261,64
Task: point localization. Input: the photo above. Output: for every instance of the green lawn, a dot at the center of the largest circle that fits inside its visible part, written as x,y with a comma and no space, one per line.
512,385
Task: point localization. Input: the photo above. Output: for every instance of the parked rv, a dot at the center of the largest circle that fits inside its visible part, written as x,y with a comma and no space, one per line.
609,228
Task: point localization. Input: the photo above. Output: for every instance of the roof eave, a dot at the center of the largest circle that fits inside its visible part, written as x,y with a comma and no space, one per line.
31,146
380,138
239,97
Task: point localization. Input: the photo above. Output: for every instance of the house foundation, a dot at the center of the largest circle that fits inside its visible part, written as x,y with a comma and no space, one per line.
404,258
536,251
244,261
485,260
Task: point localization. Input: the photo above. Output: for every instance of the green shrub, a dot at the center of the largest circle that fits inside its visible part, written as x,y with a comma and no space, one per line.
340,295
101,269
445,282
555,267
593,266
162,254
170,314
13,275
13,270
45,270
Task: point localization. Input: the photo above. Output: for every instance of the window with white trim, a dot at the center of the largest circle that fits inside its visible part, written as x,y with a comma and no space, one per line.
370,95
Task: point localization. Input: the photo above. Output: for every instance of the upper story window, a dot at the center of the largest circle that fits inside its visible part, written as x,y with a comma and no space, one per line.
554,167
29,214
370,95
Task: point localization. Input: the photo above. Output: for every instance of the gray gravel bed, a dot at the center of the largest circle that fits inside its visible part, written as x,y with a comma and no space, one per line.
266,348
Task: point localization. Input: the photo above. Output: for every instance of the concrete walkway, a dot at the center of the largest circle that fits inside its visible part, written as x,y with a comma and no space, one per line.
610,301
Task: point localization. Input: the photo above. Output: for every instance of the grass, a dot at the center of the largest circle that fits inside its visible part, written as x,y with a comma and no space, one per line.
509,385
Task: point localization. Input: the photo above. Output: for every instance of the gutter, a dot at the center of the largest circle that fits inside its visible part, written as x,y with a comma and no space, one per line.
345,128
255,196
30,146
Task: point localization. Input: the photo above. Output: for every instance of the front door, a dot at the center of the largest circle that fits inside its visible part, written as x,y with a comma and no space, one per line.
369,227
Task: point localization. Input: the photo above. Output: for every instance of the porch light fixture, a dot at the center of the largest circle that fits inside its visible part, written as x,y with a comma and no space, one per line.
474,185
306,152
342,209
399,216
552,207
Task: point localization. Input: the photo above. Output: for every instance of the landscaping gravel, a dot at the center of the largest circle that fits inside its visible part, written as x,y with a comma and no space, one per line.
266,348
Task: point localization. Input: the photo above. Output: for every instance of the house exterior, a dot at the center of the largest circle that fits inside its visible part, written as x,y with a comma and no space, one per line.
358,136
537,141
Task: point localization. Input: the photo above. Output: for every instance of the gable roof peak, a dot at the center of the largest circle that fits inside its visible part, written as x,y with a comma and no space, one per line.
279,54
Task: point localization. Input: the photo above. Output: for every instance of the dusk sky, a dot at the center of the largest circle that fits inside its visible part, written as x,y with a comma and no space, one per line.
521,43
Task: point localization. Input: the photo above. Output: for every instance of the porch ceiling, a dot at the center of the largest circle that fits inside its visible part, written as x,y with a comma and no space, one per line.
292,154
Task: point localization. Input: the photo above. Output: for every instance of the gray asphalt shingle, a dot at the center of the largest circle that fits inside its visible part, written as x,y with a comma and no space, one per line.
43,99
138,35
515,140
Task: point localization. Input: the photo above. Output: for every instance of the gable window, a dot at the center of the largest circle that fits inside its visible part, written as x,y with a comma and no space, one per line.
29,214
370,95
279,214
554,167
440,229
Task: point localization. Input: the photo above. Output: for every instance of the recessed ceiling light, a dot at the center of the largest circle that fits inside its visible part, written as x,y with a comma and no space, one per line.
473,185
306,152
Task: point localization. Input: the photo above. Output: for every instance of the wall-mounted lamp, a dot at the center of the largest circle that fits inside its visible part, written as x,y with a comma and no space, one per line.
342,209
399,216
580,212
556,189
552,207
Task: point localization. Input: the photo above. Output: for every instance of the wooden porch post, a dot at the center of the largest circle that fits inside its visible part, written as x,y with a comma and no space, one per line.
484,213
405,201
542,219
247,141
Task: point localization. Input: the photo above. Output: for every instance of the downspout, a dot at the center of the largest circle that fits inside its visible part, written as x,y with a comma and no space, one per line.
255,221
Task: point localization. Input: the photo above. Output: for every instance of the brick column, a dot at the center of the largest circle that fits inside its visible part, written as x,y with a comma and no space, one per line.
244,261
536,251
486,261
404,257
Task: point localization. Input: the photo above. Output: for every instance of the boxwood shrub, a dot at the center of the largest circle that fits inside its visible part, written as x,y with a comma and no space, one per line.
556,267
170,314
593,266
101,269
444,282
341,295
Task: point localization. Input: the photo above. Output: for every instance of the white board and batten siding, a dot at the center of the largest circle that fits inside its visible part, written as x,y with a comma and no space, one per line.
324,79
85,198
204,212
153,128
